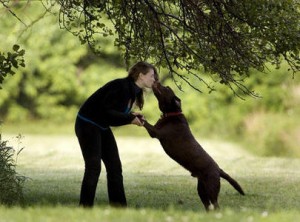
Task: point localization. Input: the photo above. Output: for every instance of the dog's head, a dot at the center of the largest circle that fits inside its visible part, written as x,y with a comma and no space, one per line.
167,100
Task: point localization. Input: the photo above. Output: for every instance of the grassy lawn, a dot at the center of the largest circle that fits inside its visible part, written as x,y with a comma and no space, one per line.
157,188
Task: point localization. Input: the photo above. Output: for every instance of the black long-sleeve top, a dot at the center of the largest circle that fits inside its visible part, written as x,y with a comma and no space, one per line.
110,105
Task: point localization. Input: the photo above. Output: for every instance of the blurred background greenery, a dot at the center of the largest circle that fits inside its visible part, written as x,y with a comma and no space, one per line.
61,73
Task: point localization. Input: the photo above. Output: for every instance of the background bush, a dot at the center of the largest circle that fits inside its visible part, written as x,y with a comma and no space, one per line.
11,183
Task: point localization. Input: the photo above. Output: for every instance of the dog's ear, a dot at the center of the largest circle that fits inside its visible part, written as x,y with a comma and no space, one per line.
177,101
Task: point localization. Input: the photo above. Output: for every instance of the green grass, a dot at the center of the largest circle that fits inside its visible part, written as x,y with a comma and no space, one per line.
157,188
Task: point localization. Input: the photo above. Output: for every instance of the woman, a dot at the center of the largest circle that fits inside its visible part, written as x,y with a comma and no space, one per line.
109,106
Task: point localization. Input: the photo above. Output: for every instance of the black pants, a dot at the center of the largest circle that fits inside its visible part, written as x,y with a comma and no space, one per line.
96,145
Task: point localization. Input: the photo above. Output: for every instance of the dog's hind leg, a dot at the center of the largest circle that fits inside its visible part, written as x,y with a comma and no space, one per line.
212,188
201,188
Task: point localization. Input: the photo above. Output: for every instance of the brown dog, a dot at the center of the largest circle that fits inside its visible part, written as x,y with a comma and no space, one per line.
175,136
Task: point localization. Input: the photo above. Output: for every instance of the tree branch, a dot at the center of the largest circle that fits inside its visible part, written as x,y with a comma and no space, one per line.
11,12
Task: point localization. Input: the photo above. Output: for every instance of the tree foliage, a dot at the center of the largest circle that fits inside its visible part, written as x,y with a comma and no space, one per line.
10,61
226,38
60,74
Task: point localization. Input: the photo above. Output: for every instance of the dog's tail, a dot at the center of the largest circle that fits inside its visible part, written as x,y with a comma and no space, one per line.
232,182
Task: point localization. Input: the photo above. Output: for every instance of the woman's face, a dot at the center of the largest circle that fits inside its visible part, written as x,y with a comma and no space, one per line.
147,79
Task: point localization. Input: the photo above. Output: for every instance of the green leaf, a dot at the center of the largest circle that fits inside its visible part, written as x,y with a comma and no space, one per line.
22,52
16,48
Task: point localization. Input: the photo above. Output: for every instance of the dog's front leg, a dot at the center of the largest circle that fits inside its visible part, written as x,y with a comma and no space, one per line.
151,130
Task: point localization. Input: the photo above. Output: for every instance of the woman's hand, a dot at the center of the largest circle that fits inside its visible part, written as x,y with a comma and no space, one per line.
138,120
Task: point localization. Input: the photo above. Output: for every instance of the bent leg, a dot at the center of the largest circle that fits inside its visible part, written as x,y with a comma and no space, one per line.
112,162
89,138
212,188
202,192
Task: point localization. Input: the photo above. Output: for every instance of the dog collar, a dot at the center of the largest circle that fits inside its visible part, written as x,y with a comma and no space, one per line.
172,114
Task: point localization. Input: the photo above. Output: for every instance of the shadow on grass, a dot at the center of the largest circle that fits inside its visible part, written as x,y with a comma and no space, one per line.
161,192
